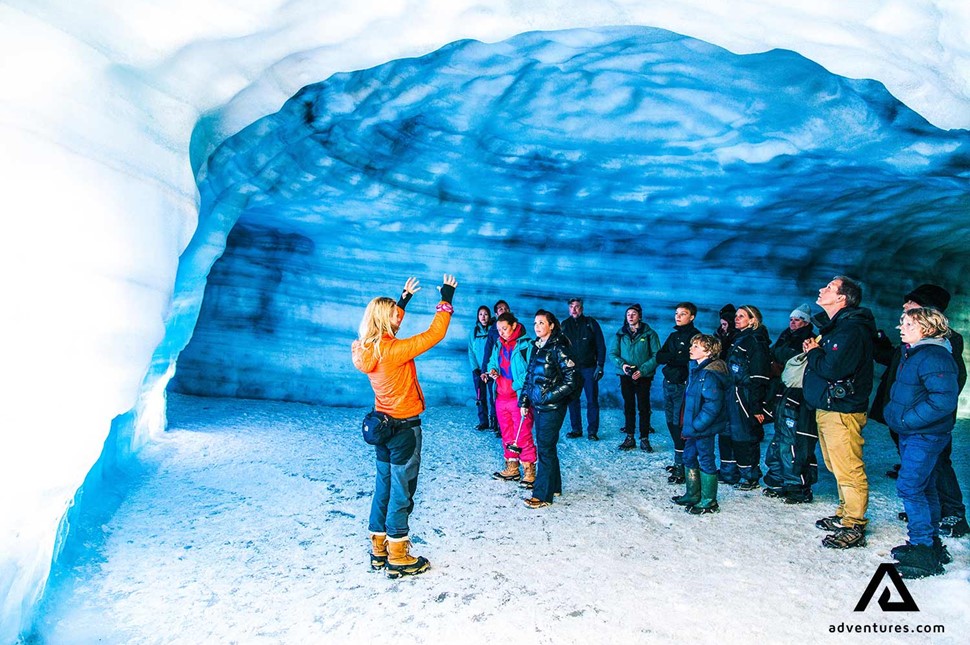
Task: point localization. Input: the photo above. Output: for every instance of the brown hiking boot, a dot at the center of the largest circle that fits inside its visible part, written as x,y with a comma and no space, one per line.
400,562
528,475
511,472
378,550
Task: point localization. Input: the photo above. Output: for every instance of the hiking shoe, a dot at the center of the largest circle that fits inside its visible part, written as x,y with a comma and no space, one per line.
629,443
482,426
747,485
645,445
845,538
592,437
830,523
774,493
954,526
574,434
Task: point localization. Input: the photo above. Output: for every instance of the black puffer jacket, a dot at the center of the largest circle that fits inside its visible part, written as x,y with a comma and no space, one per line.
675,353
551,376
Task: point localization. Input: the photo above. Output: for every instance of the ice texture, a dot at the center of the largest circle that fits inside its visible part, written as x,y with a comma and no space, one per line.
109,110
622,165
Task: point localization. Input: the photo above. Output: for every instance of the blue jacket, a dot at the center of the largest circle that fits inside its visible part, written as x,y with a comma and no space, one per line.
844,359
924,396
476,345
705,400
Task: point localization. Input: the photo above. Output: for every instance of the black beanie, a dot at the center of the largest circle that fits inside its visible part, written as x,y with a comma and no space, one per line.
727,312
929,295
636,307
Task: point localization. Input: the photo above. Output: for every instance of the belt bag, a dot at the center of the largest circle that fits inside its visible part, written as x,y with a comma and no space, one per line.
379,428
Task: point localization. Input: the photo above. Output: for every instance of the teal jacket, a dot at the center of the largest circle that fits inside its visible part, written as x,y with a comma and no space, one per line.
638,349
521,354
476,346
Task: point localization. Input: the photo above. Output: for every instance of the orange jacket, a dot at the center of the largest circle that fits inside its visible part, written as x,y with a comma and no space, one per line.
393,376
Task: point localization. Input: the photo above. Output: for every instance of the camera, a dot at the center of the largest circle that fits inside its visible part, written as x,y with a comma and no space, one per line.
629,370
841,389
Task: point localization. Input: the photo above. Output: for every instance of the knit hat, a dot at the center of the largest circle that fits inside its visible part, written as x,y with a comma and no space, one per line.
727,312
929,295
802,312
636,307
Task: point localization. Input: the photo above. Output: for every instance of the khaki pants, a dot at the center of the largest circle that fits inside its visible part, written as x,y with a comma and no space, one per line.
840,437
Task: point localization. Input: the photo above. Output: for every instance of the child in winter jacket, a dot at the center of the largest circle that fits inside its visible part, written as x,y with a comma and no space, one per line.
507,367
705,416
920,410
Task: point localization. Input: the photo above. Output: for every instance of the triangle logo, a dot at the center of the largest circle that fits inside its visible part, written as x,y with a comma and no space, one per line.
906,602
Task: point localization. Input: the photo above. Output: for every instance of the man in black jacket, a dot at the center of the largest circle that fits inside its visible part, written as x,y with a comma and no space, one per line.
589,351
837,384
674,355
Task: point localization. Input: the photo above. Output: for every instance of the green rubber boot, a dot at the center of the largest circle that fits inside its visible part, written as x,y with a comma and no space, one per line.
693,494
708,503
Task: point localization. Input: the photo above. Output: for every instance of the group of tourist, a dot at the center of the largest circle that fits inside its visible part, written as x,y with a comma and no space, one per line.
719,392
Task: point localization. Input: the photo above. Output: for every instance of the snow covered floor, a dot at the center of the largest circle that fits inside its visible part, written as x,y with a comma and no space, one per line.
251,527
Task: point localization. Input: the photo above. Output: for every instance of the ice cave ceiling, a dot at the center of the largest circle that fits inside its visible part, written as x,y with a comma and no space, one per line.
624,165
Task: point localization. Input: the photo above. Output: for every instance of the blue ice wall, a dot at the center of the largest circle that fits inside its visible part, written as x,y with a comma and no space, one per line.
622,165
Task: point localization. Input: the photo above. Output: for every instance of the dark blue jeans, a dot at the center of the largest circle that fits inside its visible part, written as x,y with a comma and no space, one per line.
947,486
591,391
699,453
916,484
548,475
398,463
673,409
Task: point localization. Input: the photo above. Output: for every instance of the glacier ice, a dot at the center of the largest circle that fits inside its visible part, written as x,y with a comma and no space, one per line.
622,165
109,109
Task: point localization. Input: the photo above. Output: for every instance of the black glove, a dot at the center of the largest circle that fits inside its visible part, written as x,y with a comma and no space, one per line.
599,373
447,293
404,299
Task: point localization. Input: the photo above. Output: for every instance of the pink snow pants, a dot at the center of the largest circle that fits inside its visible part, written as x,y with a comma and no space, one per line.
507,409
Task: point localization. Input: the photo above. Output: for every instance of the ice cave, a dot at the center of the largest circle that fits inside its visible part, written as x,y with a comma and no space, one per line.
204,195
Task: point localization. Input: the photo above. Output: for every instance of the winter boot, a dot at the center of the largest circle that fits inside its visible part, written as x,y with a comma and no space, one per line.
801,495
708,503
378,551
645,445
511,472
400,562
528,475
574,434
677,475
942,553
693,492
918,561
629,443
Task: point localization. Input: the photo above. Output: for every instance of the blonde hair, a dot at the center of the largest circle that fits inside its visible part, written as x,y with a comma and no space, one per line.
377,323
932,323
754,313
708,343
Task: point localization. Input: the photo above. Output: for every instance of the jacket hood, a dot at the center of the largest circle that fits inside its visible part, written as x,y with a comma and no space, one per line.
929,342
716,365
517,333
365,356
